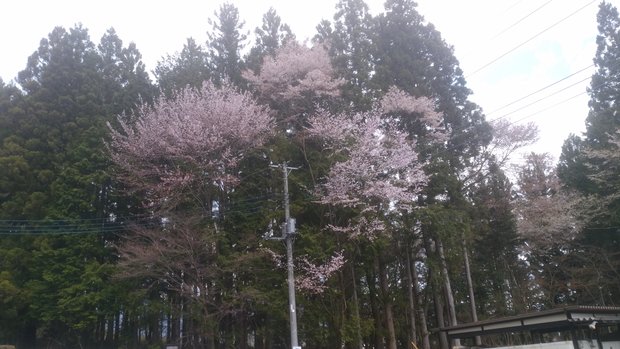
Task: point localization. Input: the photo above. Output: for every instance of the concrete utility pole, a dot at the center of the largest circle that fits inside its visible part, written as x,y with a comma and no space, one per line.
288,235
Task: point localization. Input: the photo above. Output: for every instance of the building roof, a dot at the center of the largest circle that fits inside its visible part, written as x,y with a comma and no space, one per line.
566,317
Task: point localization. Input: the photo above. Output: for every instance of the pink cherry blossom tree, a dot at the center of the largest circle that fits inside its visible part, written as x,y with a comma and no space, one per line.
380,170
547,213
181,155
189,145
295,70
294,81
401,105
311,277
376,174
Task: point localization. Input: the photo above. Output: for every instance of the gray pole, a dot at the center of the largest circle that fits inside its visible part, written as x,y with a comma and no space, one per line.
288,235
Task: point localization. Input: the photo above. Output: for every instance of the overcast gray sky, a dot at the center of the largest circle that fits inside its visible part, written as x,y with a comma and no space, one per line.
539,42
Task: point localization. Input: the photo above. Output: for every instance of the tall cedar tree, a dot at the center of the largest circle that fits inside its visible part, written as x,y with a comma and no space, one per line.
182,157
411,55
589,166
189,67
58,172
548,225
270,36
351,45
403,51
498,271
226,40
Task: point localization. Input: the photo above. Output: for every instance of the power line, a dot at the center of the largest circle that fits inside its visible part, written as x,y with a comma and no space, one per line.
545,109
41,227
114,219
559,103
511,6
521,20
551,106
541,99
539,90
75,220
538,112
530,39
251,174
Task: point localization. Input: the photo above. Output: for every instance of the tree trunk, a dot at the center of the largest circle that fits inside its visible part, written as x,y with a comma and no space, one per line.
470,287
242,342
387,304
174,323
109,336
443,338
411,295
378,320
446,282
341,320
211,327
117,326
356,310
424,334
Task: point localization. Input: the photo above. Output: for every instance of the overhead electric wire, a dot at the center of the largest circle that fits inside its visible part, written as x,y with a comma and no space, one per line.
131,217
511,6
28,229
541,99
539,90
547,108
64,227
616,64
530,39
75,220
251,174
521,20
554,105
537,112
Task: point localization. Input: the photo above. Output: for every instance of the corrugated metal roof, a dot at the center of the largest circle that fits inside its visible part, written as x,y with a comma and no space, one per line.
565,316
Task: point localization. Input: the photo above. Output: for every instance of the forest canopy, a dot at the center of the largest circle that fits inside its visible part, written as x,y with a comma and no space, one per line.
139,209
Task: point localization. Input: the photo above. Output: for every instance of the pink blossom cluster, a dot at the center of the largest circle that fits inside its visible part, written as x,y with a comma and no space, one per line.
362,227
380,168
547,214
401,104
314,276
294,71
508,136
277,259
193,140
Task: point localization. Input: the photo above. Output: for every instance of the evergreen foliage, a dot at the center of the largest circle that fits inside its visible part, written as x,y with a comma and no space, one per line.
132,219
270,36
57,174
589,165
226,40
187,68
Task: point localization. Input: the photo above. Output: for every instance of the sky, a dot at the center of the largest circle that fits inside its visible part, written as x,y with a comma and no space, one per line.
508,49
